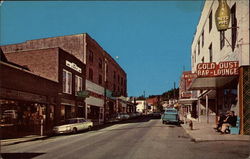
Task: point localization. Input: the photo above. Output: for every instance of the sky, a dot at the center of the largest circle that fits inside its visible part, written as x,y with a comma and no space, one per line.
151,38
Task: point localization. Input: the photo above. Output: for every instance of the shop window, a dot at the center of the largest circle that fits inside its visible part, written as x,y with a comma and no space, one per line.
100,79
222,39
210,21
67,82
234,26
210,53
90,74
78,84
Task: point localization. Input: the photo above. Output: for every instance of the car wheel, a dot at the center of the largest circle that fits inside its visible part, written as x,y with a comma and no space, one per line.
90,128
74,130
163,122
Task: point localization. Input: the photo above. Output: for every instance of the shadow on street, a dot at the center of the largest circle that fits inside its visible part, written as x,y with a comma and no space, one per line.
20,155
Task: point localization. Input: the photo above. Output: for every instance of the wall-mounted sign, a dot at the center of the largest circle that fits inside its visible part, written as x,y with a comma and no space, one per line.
222,16
83,94
73,66
225,68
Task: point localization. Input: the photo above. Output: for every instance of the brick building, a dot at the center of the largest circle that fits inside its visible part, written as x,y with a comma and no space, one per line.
105,79
61,67
25,99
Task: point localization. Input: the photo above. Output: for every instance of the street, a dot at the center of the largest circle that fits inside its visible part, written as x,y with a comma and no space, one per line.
136,139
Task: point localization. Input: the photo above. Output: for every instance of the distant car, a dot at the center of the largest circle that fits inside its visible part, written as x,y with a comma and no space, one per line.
122,116
170,116
132,115
156,115
73,125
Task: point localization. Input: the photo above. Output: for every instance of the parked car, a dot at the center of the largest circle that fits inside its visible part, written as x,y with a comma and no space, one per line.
122,116
73,125
10,114
170,116
132,115
156,115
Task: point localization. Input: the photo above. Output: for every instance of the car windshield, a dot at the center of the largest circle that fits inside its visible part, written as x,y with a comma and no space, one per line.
71,121
171,110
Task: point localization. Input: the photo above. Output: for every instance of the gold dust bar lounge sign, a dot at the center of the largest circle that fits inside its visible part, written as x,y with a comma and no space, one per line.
222,16
225,68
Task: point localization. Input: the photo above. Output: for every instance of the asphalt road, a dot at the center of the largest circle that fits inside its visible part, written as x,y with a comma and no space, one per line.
138,139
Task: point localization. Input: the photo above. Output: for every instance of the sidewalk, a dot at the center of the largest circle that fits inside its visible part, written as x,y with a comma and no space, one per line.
6,142
203,131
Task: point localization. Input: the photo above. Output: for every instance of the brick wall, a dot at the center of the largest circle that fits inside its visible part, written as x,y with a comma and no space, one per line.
16,79
71,43
42,62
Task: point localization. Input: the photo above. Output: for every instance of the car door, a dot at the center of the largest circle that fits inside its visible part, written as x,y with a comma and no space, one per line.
83,124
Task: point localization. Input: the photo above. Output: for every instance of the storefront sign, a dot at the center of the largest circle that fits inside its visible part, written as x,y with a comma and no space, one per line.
186,80
83,94
226,68
19,95
222,16
73,66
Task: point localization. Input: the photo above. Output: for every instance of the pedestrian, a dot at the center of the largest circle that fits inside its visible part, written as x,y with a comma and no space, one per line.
191,124
229,121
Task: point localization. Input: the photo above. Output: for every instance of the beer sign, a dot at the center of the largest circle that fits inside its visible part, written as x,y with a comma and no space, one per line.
225,68
222,16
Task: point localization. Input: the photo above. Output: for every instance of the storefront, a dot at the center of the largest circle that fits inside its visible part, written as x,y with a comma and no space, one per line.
26,107
217,85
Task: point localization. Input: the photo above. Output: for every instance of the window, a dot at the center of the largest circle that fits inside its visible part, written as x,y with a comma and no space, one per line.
202,38
210,53
100,63
91,56
234,26
222,39
114,75
121,81
199,47
194,55
90,74
210,21
67,82
100,79
114,88
78,84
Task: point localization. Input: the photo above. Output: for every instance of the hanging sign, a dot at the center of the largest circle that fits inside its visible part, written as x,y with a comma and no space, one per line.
222,16
225,68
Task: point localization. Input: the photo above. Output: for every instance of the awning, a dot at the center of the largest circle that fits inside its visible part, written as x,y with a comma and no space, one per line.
187,101
209,83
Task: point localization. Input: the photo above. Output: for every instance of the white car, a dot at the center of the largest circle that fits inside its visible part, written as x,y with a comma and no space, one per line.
73,125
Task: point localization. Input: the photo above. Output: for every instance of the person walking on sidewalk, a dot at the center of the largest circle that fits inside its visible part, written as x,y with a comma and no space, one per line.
229,121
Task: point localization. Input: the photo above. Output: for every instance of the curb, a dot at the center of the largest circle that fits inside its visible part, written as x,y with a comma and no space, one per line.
6,143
